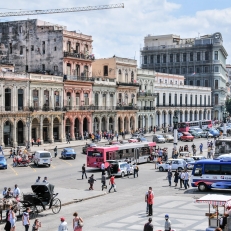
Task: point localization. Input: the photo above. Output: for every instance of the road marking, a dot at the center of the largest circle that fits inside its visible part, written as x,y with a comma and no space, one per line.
67,162
33,168
13,170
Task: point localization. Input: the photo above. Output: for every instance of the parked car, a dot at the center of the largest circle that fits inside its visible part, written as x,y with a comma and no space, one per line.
3,163
195,134
179,134
120,168
189,162
134,140
198,157
68,153
224,156
42,158
142,139
158,138
177,164
214,132
169,138
136,135
84,149
187,137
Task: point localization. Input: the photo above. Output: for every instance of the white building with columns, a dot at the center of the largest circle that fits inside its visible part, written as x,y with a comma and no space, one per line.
146,99
191,103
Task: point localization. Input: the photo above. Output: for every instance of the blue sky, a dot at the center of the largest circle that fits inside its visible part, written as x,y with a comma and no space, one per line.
121,31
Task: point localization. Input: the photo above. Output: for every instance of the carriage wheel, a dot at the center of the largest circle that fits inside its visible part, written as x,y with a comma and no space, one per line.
33,212
56,206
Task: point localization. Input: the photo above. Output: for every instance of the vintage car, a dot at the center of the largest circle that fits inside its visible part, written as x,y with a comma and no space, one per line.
168,138
187,137
68,153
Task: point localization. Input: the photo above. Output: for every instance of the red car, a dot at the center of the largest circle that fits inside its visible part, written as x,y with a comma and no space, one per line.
186,137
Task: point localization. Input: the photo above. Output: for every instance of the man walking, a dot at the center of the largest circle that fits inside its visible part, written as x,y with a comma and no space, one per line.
84,171
170,177
103,168
128,170
167,225
103,180
55,151
150,202
186,179
146,199
201,148
16,191
112,183
136,170
63,225
148,226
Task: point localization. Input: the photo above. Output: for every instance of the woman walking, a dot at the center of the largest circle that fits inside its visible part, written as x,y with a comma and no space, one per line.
12,218
77,222
36,225
91,181
176,177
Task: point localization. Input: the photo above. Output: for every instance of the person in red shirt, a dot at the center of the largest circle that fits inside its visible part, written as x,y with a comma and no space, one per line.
150,200
112,183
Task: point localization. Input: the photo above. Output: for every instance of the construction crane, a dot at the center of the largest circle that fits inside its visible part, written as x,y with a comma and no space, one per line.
64,10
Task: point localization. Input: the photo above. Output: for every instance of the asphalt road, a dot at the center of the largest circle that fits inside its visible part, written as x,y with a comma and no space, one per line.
103,211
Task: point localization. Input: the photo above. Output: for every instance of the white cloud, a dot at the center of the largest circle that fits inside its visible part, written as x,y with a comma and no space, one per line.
121,31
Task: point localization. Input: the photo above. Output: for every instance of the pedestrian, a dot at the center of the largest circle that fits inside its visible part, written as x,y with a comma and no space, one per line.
91,181
150,202
136,170
16,191
38,142
32,142
170,177
77,222
36,225
112,183
8,224
26,219
45,180
4,192
38,179
194,152
84,171
117,136
63,225
167,225
181,174
103,181
55,151
176,177
102,168
186,179
146,199
128,170
148,226
155,160
201,148
11,153
13,218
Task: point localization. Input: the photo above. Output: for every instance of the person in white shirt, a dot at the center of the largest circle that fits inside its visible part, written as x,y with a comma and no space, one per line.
186,179
63,225
26,219
16,191
4,192
128,170
103,167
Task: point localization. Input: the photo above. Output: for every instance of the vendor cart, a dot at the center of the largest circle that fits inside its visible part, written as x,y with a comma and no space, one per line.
215,217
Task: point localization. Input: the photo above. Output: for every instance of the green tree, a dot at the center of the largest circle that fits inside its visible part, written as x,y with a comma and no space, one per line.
228,106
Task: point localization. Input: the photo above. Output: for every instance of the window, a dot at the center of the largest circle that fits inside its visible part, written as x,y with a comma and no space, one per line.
216,99
170,70
68,46
55,68
184,57
166,81
8,99
170,99
77,98
191,71
206,83
57,99
32,47
209,100
191,100
178,58
26,68
21,50
225,169
151,59
77,46
10,50
43,67
175,99
198,83
178,71
215,55
158,99
54,40
145,60
191,56
105,70
186,99
164,58
198,56
163,99
35,98
77,70
68,71
171,58
86,99
43,46
216,84
213,169
197,69
180,99
200,100
164,70
158,58
55,48
206,55
205,100
191,82
46,98
206,69
86,72
196,100
216,69
183,70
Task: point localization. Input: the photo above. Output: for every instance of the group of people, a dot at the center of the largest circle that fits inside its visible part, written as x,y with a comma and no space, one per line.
8,193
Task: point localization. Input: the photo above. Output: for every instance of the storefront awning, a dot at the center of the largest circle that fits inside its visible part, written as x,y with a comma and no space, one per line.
214,199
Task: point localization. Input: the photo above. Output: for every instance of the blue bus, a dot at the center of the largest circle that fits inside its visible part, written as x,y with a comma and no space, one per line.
212,174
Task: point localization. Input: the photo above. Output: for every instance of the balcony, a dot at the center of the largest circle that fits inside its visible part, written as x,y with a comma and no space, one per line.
14,109
183,105
131,84
79,56
146,108
98,108
146,94
78,78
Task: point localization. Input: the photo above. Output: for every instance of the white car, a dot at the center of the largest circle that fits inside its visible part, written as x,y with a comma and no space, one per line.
177,164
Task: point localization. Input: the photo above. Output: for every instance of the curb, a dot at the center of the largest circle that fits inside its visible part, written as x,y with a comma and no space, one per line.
80,200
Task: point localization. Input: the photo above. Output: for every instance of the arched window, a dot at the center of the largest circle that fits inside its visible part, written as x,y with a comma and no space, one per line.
77,97
132,77
8,99
77,70
69,46
68,69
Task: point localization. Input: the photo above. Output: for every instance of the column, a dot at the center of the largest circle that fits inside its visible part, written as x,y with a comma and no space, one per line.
2,97
160,119
25,133
14,97
114,100
115,125
1,133
41,129
51,130
63,129
51,103
100,99
72,130
41,93
81,127
100,129
107,126
15,144
107,99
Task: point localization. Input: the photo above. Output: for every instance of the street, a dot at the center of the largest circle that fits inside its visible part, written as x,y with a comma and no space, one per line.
124,210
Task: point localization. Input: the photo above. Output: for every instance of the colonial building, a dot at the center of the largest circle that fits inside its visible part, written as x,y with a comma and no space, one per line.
124,72
201,60
37,46
146,99
30,102
173,97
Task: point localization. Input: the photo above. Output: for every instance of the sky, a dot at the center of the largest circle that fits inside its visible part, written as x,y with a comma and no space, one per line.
121,31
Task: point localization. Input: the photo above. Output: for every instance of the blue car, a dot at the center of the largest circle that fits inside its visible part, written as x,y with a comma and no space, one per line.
68,153
3,163
214,132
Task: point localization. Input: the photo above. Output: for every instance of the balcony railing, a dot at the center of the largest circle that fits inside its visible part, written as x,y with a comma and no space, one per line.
13,109
128,84
78,55
78,78
146,108
183,105
102,108
145,94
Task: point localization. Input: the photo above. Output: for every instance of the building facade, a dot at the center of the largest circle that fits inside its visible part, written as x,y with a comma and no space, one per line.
42,47
123,72
201,60
146,99
190,103
30,100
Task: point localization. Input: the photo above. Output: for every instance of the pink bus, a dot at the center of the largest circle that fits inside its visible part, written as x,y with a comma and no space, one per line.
135,152
203,124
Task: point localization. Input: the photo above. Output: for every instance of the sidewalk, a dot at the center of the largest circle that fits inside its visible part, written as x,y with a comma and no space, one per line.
74,143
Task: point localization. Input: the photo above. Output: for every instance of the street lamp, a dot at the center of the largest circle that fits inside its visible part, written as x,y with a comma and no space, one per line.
175,123
225,114
28,122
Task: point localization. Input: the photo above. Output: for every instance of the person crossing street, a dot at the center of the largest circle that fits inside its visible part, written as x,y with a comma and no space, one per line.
84,171
112,183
